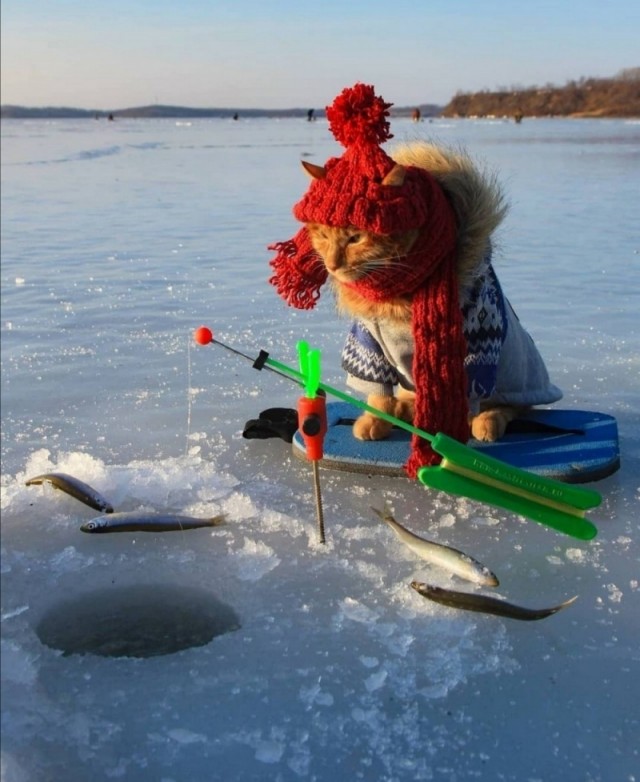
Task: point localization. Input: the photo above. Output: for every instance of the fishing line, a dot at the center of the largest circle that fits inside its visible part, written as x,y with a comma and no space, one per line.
189,396
190,390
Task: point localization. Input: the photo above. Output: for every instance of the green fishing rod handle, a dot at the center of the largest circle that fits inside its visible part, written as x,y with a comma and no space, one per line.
489,467
443,479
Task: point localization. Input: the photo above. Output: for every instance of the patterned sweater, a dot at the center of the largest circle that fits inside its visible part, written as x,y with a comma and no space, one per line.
502,363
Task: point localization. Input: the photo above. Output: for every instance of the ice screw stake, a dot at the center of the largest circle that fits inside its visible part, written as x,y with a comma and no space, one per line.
312,421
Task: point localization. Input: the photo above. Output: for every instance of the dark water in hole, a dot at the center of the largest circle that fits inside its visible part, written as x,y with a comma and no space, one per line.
136,621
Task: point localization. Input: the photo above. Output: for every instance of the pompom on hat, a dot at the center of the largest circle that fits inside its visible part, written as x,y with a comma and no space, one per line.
365,188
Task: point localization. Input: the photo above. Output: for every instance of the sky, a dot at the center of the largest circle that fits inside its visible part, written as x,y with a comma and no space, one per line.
95,54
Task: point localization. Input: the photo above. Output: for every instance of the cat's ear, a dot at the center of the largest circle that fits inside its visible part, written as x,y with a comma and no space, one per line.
396,176
316,172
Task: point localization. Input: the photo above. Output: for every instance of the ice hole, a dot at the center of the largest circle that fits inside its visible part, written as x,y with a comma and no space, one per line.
136,621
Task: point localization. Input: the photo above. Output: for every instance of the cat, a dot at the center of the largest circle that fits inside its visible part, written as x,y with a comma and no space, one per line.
430,321
349,255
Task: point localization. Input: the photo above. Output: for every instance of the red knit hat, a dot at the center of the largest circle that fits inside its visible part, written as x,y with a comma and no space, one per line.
351,192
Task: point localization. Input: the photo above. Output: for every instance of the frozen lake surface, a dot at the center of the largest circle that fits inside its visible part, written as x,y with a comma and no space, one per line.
303,662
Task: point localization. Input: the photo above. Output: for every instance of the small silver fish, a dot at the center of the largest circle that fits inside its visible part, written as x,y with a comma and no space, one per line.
485,604
75,488
445,557
139,521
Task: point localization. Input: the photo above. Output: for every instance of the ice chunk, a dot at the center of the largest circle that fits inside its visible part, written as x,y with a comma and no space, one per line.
314,695
447,520
255,560
376,680
183,736
17,666
269,751
69,560
357,611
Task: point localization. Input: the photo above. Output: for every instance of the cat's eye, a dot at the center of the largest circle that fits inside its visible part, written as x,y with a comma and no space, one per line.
354,238
317,231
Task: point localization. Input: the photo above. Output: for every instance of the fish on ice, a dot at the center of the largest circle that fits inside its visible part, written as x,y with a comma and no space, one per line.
75,488
139,521
485,604
446,557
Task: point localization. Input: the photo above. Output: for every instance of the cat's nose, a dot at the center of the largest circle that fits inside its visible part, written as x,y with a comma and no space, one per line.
333,262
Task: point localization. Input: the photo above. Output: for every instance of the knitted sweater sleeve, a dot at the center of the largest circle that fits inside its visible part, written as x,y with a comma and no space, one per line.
368,369
485,329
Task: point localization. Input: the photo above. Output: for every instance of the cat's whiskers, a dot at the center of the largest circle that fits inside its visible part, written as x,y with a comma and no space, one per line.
370,267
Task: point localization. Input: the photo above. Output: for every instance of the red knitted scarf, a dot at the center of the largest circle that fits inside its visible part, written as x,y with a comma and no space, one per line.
428,274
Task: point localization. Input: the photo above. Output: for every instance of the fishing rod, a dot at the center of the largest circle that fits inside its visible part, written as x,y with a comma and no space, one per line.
464,471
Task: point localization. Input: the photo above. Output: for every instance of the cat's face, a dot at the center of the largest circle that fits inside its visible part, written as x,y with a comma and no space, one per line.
351,254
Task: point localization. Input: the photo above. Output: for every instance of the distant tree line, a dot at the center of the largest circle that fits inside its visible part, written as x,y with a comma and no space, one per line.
615,97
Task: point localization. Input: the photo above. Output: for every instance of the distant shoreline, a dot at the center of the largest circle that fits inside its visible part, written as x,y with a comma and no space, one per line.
426,112
183,112
24,113
617,97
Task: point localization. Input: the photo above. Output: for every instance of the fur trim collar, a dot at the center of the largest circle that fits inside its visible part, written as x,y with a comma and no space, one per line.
477,199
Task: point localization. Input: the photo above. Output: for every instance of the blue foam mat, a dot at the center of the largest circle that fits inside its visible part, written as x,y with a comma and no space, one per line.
575,446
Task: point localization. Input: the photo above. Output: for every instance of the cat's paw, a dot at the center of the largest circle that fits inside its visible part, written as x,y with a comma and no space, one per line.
368,427
405,405
490,425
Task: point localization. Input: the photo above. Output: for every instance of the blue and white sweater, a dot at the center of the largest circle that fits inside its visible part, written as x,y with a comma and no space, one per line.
503,364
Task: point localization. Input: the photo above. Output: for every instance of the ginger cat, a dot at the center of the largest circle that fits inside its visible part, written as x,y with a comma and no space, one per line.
349,254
